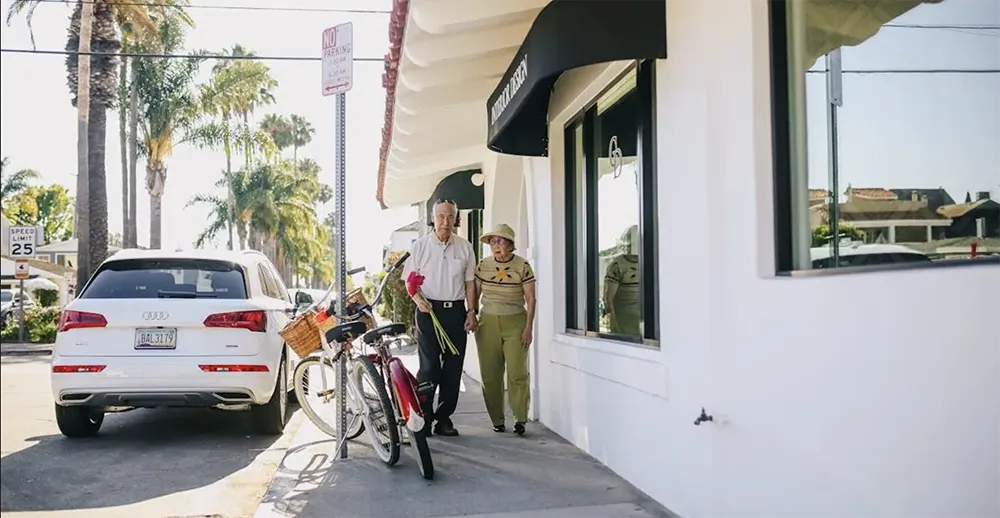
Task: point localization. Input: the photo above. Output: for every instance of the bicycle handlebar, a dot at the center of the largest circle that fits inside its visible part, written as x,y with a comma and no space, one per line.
366,308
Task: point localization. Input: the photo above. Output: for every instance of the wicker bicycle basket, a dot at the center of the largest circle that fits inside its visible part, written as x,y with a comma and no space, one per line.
302,334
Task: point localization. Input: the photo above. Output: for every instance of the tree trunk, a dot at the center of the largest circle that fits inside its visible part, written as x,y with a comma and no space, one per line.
156,179
241,229
97,186
133,160
231,199
81,223
155,219
123,147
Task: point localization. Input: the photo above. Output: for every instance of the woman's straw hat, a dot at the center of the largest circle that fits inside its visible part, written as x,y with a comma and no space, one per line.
501,230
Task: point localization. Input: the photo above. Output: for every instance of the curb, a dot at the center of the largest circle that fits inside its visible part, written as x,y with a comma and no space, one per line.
44,350
283,497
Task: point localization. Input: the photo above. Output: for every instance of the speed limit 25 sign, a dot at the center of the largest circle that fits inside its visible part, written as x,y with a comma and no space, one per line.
22,241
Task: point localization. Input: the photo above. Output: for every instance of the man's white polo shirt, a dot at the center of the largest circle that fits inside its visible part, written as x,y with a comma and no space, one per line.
446,266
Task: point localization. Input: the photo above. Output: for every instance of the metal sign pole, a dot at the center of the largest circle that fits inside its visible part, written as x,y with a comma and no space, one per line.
20,316
341,252
338,78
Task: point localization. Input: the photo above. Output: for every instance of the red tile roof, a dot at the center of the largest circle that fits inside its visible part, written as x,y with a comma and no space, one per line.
397,25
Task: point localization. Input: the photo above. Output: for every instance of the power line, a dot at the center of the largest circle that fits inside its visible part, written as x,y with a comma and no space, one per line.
173,56
230,7
953,26
916,71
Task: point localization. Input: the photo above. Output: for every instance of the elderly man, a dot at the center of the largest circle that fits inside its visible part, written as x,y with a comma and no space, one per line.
448,264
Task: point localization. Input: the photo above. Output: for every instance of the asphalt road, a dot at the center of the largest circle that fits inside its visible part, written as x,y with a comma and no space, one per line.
170,463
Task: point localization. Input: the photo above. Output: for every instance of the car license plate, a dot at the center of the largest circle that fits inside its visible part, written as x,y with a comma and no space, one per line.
155,338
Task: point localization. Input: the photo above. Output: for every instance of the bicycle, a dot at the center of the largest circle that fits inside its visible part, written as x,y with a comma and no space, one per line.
395,412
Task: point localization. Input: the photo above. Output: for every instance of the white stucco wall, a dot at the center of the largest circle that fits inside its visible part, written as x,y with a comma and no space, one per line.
898,421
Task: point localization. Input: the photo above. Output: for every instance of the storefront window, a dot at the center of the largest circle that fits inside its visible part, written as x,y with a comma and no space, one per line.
886,129
609,188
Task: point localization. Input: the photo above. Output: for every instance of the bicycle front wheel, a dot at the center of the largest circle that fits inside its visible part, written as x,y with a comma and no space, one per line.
384,432
314,382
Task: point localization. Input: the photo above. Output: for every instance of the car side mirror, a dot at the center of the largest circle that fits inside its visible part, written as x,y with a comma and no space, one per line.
302,298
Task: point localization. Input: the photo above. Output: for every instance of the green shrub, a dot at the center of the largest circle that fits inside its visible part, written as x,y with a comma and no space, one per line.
47,298
8,330
40,326
44,332
397,306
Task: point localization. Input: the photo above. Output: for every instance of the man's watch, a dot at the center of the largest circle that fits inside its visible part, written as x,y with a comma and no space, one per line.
473,311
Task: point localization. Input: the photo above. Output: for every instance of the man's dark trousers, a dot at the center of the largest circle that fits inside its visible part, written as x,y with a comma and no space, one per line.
439,368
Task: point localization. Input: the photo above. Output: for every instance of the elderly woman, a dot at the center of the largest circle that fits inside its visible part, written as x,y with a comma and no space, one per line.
506,285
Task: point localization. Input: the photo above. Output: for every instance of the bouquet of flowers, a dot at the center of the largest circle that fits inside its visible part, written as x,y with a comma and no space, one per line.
413,284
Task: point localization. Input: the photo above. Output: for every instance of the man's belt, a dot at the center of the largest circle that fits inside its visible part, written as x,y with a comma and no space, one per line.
447,304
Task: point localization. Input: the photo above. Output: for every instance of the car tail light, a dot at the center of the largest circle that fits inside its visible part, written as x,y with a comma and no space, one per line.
252,320
80,319
234,368
67,369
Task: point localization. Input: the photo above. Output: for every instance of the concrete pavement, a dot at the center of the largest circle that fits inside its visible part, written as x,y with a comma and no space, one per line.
480,473
144,463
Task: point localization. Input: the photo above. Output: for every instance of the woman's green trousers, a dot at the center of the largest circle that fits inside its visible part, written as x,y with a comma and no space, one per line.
498,340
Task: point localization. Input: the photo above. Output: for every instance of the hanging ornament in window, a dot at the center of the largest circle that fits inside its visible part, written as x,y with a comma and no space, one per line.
615,157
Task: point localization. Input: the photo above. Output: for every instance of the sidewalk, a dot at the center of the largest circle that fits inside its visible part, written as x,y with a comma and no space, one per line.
480,474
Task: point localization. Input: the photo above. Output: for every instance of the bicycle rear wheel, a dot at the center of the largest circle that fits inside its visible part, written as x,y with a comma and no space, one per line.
319,402
385,432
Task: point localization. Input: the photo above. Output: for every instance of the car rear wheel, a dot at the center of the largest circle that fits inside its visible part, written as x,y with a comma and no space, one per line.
270,418
79,421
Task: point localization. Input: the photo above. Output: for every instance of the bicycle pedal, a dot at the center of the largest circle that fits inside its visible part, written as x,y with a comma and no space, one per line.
325,393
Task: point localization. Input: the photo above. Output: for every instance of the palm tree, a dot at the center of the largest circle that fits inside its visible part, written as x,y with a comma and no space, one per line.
169,106
96,94
302,134
145,39
236,88
279,128
17,182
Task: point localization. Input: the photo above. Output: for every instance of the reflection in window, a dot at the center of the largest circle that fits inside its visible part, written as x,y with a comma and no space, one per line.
609,189
619,298
900,115
576,268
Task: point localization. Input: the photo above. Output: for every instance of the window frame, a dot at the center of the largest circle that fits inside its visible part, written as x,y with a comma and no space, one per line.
783,164
646,162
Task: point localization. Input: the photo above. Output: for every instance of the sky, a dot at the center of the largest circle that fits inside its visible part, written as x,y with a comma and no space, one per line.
38,124
916,130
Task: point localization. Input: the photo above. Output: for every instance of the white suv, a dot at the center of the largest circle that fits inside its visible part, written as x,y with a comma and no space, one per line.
155,328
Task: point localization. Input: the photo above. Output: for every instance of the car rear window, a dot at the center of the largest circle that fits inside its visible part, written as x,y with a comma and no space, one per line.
6,296
167,278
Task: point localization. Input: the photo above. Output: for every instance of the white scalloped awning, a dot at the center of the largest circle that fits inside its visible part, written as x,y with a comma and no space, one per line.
454,53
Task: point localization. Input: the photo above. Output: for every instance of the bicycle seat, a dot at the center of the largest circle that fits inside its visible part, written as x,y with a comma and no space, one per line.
345,332
387,330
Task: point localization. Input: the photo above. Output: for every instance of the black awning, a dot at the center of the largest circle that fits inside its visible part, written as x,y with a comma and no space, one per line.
567,34
457,187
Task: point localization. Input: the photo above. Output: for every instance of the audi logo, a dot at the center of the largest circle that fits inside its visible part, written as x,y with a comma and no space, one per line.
155,315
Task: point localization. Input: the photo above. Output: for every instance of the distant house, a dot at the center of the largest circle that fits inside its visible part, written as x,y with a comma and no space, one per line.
979,218
927,220
401,238
885,218
63,253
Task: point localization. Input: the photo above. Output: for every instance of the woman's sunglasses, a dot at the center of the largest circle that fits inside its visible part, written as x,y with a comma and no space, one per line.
497,241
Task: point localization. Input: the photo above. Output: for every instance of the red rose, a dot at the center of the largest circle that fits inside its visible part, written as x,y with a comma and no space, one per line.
413,283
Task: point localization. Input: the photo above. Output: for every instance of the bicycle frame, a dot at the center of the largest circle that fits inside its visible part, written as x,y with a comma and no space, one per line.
355,395
403,384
